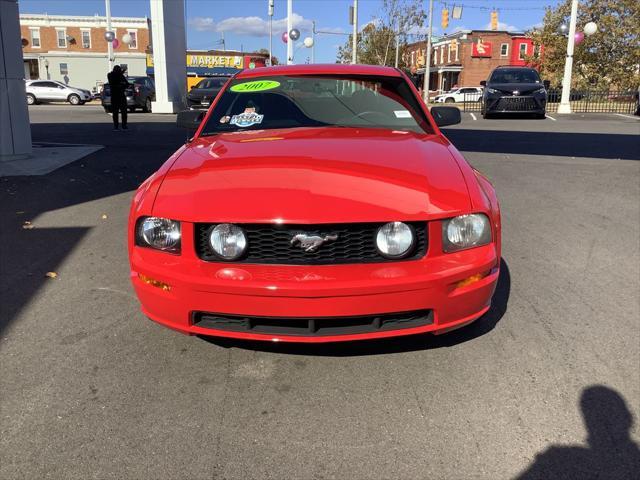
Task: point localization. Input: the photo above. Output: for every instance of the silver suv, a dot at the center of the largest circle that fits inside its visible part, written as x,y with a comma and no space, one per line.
52,91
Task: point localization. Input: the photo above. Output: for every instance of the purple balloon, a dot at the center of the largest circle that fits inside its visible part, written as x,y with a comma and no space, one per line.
578,38
285,37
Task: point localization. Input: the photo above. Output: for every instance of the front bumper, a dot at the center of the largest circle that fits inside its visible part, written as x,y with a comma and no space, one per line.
322,291
516,104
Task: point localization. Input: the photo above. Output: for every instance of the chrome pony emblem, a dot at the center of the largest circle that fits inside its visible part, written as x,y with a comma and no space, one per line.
516,92
311,243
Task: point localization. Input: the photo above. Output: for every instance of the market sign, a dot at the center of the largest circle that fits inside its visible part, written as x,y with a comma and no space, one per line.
481,49
209,61
213,61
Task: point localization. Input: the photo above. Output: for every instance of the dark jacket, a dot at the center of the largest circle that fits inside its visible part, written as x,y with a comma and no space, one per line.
118,84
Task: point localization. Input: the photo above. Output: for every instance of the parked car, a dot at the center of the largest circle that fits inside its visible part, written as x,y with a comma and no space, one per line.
316,203
514,90
52,91
202,94
462,94
140,93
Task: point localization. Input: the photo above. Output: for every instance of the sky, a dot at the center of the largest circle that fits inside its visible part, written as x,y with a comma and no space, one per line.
244,23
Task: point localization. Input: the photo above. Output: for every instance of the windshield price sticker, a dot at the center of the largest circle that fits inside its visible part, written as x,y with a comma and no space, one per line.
258,86
246,119
402,113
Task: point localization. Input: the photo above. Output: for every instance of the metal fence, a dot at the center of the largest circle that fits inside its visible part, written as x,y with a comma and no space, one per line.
582,101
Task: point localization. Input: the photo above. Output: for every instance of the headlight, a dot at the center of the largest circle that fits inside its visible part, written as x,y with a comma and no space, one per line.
160,233
395,240
540,90
492,90
465,231
228,241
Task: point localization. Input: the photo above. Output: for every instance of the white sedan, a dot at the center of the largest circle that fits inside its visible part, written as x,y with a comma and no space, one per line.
463,94
52,91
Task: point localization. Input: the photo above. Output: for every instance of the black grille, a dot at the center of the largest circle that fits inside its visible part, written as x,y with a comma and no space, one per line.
314,326
516,104
271,244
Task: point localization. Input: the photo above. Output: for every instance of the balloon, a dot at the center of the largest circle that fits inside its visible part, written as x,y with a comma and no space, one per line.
285,37
294,34
308,42
127,39
578,38
590,28
109,36
563,29
115,43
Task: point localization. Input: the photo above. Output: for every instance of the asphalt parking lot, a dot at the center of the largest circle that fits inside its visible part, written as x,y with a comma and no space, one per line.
546,385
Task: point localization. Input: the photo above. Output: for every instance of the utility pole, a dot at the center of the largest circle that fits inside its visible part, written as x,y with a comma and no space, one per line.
313,38
354,55
427,56
107,4
289,28
270,32
397,39
565,106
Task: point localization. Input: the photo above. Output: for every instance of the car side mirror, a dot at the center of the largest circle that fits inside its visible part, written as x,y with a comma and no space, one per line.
546,84
483,83
190,119
446,115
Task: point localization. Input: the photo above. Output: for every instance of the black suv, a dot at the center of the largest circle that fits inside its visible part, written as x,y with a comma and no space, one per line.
140,93
514,90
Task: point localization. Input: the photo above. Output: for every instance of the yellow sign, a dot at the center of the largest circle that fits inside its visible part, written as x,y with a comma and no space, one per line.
208,61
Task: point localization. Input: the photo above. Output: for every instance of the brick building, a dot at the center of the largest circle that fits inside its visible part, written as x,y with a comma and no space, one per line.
465,58
72,49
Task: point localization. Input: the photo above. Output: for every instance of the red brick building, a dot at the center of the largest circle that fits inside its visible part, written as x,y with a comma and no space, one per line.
465,58
72,49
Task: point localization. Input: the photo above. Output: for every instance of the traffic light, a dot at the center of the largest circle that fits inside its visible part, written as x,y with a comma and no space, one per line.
494,20
445,18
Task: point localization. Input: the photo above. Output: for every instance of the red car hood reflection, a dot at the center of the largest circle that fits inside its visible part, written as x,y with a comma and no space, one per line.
313,175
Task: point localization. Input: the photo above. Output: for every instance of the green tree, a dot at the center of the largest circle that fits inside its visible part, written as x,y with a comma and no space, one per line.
608,59
264,51
377,40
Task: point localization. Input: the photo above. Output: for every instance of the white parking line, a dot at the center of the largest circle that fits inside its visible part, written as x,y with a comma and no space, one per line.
627,116
473,116
551,118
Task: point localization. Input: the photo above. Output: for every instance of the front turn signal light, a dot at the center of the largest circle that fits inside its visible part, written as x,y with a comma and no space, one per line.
154,283
472,279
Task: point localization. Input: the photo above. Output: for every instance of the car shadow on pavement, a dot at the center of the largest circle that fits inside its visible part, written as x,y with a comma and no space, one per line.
563,144
407,343
610,452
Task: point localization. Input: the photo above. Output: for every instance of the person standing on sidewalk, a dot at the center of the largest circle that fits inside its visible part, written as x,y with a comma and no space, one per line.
118,85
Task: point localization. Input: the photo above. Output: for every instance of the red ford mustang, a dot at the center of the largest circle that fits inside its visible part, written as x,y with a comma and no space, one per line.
315,203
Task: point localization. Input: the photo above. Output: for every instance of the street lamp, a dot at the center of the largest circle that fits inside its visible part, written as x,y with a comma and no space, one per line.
565,106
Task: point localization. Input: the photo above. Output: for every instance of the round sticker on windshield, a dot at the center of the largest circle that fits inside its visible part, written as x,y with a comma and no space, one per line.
257,86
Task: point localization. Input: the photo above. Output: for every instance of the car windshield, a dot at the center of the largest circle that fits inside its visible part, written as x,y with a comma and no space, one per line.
515,75
212,83
317,101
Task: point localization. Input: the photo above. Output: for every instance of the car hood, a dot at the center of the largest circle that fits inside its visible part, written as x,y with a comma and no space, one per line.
313,175
523,88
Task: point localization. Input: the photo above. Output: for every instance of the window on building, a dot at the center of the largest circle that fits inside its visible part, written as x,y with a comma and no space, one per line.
64,69
536,51
62,38
134,39
35,37
442,54
449,53
504,49
86,39
523,51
